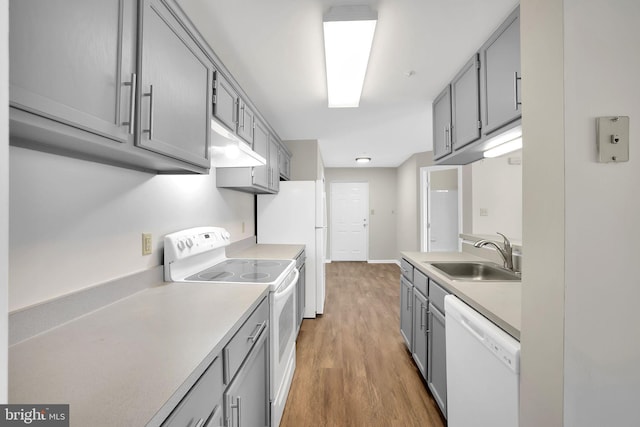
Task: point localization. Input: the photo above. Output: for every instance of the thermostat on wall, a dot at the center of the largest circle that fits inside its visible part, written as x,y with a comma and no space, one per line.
612,135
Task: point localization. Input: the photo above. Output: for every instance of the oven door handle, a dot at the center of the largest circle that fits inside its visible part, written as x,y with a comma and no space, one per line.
284,292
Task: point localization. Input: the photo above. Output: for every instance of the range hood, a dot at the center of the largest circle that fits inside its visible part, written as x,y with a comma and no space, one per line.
229,151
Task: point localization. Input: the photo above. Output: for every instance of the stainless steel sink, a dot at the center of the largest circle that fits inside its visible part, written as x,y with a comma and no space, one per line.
475,271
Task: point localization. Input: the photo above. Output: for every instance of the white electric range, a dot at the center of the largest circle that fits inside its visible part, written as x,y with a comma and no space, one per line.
197,255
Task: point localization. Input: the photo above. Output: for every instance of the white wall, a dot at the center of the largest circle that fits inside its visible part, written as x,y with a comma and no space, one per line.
497,188
74,224
580,350
4,193
602,352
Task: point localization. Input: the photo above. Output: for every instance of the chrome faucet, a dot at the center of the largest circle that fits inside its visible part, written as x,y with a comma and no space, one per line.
506,252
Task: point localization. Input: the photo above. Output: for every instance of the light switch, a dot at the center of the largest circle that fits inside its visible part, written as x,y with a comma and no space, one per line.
612,137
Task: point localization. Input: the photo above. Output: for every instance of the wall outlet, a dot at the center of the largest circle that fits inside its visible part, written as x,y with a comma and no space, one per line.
146,243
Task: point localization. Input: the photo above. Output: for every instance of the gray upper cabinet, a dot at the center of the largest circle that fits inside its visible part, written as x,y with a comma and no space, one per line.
225,101
284,162
274,166
245,122
261,174
175,86
500,57
485,98
465,104
80,86
58,73
442,124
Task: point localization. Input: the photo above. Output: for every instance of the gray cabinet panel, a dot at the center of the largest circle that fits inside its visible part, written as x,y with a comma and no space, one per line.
407,269
175,84
442,124
284,162
246,400
500,58
301,288
274,167
70,60
245,123
199,404
225,102
420,330
465,104
437,378
406,311
261,146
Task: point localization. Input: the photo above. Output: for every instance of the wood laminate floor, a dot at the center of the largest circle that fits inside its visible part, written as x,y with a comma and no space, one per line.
353,368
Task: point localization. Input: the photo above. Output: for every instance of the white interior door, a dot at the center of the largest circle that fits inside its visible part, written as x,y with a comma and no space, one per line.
441,209
349,221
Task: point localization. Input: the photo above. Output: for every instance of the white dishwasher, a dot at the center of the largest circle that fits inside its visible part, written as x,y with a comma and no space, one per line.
483,370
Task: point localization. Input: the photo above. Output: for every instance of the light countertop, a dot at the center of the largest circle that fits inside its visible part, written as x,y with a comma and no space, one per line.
500,302
131,361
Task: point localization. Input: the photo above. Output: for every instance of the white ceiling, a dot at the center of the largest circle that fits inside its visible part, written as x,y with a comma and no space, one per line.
274,50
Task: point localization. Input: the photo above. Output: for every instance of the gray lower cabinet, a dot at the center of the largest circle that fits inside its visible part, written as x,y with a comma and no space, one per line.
465,104
199,406
500,57
437,346
420,331
176,88
442,124
301,288
234,390
422,326
406,311
246,400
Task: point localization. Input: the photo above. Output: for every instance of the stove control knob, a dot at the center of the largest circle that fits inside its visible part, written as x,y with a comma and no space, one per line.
189,242
226,235
181,245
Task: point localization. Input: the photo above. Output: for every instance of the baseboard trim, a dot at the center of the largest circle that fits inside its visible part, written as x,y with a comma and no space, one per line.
384,261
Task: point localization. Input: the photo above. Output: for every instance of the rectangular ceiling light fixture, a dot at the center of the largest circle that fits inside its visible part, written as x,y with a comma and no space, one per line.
348,35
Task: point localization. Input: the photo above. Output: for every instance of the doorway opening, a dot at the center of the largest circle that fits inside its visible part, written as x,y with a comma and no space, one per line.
440,208
349,221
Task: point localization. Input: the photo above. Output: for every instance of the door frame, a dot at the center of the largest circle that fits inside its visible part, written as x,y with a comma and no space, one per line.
424,203
331,216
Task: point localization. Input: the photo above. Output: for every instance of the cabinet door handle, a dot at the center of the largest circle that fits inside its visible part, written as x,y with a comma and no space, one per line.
421,315
516,103
225,366
258,332
132,102
237,407
408,298
428,328
150,95
242,115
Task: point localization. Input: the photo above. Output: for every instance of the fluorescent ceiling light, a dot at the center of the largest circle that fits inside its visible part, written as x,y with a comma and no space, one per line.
348,35
507,147
363,159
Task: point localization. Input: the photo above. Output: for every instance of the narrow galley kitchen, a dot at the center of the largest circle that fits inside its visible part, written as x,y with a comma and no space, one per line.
353,368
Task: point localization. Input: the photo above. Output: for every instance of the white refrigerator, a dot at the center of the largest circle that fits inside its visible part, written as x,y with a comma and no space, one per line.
298,215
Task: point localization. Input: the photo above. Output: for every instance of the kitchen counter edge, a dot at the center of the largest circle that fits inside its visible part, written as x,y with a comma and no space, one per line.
499,302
